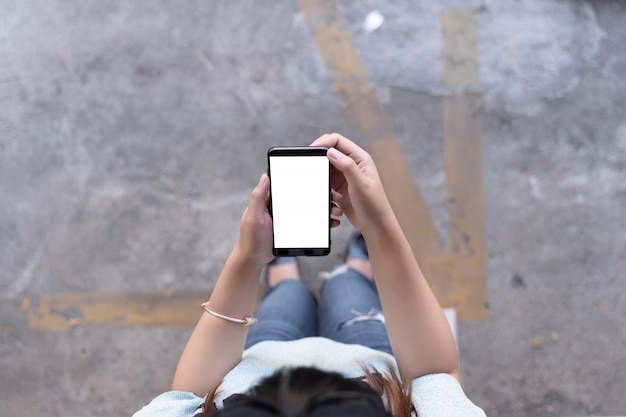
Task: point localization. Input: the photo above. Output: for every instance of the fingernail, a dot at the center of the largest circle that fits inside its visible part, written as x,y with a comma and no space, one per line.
262,180
334,154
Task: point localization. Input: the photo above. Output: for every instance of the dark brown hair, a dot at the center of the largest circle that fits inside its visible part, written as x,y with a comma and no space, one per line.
302,384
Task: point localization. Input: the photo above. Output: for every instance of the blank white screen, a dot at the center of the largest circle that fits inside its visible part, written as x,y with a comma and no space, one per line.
300,201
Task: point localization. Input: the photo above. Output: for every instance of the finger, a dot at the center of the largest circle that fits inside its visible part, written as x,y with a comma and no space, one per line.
336,197
328,141
319,140
344,164
335,222
345,145
256,204
336,210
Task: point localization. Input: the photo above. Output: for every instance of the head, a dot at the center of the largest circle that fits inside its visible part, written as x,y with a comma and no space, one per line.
310,392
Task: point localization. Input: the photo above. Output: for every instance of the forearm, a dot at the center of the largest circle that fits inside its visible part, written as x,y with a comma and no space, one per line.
216,345
418,330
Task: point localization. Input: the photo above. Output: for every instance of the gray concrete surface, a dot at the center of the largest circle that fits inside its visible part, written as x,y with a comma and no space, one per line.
132,132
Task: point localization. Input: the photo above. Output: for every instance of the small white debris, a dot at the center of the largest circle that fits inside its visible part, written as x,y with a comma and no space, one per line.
373,21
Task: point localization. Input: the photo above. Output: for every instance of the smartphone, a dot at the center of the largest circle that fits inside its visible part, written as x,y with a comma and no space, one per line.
300,200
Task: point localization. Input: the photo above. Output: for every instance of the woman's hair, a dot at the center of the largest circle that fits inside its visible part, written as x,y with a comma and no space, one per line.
292,392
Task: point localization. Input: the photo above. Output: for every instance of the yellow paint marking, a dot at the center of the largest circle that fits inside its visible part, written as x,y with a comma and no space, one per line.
463,127
460,47
464,180
62,312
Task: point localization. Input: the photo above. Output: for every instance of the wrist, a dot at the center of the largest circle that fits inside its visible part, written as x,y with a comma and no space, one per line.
380,220
244,260
386,229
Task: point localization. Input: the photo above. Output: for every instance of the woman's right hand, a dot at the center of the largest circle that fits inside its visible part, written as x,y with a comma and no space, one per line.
356,185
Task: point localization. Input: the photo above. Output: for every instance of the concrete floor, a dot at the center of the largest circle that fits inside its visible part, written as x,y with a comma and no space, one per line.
132,132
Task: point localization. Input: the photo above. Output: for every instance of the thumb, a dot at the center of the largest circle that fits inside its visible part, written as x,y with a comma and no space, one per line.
256,204
345,164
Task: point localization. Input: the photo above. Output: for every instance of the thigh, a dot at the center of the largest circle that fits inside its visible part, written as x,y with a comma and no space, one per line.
350,311
287,312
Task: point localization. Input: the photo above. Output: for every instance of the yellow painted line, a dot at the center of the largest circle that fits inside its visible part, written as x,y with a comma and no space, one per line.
464,182
463,127
64,311
368,118
460,47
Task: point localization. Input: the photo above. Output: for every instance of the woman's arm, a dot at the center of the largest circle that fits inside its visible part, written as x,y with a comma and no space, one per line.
420,335
419,332
216,345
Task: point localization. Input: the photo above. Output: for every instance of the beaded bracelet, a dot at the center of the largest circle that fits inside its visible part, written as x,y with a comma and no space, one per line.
246,321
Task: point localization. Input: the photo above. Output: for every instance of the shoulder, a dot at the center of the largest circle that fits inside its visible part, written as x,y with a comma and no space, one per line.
442,395
172,404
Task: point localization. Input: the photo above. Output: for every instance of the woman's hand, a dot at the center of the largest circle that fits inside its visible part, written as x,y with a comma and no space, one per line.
356,185
255,229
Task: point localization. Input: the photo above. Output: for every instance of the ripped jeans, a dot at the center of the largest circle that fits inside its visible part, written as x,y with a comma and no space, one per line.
349,311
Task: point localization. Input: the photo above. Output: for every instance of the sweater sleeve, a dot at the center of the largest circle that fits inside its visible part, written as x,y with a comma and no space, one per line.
441,395
172,404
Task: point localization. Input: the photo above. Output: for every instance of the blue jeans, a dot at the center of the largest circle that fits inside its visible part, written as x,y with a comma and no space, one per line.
349,311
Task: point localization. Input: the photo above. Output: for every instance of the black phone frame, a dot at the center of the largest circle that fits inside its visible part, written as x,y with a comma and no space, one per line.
299,151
